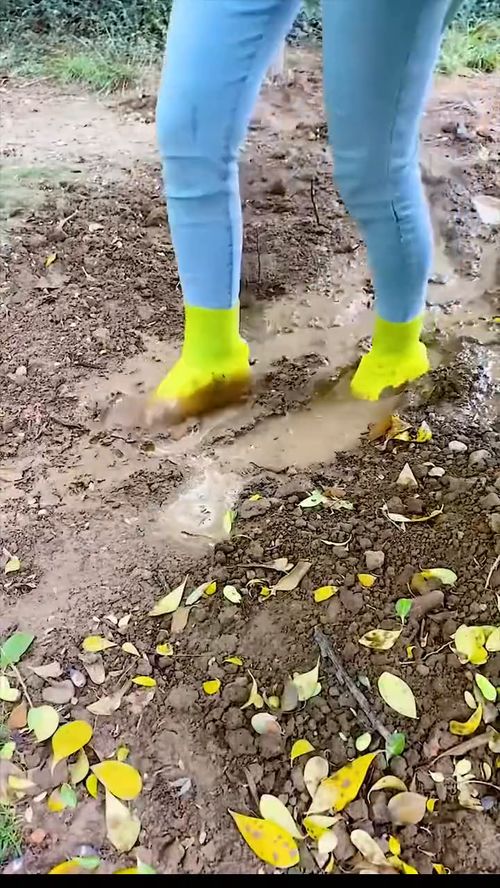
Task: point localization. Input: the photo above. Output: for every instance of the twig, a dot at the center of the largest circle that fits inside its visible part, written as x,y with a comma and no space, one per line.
464,747
438,651
315,209
65,423
492,571
20,679
62,223
341,675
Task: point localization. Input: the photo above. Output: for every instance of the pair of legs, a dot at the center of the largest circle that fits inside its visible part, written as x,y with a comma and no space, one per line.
379,57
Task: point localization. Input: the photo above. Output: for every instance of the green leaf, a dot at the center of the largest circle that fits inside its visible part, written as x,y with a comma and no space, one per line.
395,745
87,863
13,648
68,795
315,499
403,608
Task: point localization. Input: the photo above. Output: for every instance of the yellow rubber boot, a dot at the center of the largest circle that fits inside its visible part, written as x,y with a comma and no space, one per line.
213,369
396,356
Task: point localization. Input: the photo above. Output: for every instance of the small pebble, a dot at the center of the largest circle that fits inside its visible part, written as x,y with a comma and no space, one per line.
374,560
457,446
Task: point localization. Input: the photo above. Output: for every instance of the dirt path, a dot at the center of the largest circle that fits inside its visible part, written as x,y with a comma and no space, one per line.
104,519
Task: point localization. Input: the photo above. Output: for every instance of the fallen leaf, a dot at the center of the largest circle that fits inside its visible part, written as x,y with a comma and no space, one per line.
324,593
401,866
300,747
130,648
464,729
169,603
164,650
388,428
487,689
211,687
43,721
440,870
254,498
406,478
12,565
289,697
424,433
307,683
316,769
342,787
255,699
18,716
7,750
96,671
122,826
68,796
93,644
368,847
293,579
470,700
269,842
196,594
380,639
389,781
211,589
7,693
488,208
396,518
273,809
51,258
493,641
77,678
394,846
228,521
60,693
265,723
235,661
119,778
367,580
74,867
316,498
55,803
446,576
79,770
407,807
327,842
363,741
232,594
48,670
430,805
144,681
68,739
395,744
273,702
14,647
106,705
470,643
91,785
403,608
122,753
397,694
179,620
317,824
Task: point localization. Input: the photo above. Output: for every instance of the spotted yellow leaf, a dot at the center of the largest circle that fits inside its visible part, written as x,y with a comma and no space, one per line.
464,729
269,842
341,788
380,639
317,824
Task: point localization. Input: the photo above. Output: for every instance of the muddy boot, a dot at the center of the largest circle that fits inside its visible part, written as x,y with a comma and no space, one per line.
397,356
212,372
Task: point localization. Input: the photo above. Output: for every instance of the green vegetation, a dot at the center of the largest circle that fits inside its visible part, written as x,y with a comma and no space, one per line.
108,44
10,834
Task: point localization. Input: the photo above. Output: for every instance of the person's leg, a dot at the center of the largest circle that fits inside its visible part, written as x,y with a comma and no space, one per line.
379,57
216,57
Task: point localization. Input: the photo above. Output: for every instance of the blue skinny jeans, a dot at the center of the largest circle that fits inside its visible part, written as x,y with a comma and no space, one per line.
379,57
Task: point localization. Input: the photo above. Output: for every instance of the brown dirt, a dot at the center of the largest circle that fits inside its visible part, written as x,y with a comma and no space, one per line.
104,519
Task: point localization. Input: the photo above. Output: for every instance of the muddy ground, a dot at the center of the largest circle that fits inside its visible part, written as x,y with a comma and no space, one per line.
105,519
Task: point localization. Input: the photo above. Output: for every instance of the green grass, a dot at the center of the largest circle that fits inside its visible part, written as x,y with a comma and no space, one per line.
476,47
103,73
10,834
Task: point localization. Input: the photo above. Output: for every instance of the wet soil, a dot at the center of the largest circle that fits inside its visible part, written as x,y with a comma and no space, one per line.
104,519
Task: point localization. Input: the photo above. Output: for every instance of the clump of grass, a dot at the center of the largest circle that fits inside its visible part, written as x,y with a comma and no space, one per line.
100,72
475,46
10,834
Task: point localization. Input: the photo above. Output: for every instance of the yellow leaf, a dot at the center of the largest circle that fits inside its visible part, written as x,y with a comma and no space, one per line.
13,565
409,651
300,747
463,729
401,866
470,644
446,576
164,650
254,497
265,592
79,770
122,753
255,699
493,641
51,258
424,433
91,785
95,643
67,868
273,702
367,846
211,687
397,694
273,809
43,721
430,805
342,787
394,846
387,782
236,661
363,741
55,802
119,778
440,869
380,639
169,603
145,681
211,589
269,842
324,593
130,648
367,580
228,521
307,683
317,824
122,827
69,739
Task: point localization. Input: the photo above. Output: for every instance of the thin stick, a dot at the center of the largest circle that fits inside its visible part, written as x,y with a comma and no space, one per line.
342,677
466,746
492,571
313,201
20,679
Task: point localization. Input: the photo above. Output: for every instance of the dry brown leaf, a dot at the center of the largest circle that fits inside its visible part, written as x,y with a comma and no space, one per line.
18,717
47,670
106,705
293,579
179,620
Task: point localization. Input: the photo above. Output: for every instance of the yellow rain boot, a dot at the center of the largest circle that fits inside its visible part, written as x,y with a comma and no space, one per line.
396,356
212,371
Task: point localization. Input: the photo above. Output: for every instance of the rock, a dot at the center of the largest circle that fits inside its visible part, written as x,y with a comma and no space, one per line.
255,552
235,693
271,745
406,478
249,509
352,601
378,807
398,766
479,459
240,742
298,778
425,603
358,810
182,697
344,849
333,609
374,560
59,693
143,667
490,501
233,718
457,446
436,472
494,522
